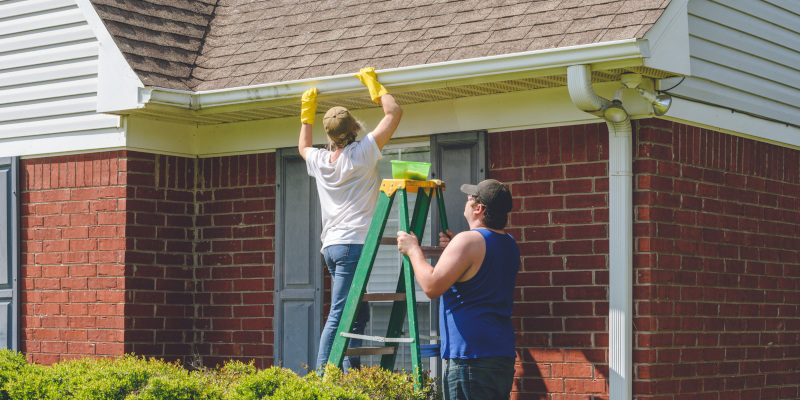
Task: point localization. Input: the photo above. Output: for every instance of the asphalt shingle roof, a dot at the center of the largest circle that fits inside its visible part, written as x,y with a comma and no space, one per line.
216,44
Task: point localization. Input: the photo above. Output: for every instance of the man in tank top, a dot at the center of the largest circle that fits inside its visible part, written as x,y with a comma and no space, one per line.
475,277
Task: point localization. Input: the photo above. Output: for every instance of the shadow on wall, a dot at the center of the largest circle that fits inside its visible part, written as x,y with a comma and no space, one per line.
561,371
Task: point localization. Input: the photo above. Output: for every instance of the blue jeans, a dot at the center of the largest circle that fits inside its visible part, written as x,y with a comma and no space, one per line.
341,260
487,378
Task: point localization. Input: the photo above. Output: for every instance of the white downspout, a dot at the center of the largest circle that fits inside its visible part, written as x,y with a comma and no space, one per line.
620,233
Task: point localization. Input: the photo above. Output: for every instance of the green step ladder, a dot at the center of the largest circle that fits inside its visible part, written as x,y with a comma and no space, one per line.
404,299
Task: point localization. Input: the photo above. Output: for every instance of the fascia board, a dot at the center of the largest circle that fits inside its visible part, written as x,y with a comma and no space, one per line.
669,40
118,84
499,112
445,74
738,124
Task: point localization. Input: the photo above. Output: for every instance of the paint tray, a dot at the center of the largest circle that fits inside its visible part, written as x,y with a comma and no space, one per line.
417,171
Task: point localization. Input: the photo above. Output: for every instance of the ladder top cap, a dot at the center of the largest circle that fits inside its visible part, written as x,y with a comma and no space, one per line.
389,186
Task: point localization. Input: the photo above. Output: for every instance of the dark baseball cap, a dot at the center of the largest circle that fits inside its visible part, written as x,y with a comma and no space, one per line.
491,193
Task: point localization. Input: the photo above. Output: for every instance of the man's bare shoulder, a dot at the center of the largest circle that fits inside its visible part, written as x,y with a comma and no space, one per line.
467,240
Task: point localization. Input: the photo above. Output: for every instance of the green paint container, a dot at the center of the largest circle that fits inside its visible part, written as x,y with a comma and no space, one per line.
417,171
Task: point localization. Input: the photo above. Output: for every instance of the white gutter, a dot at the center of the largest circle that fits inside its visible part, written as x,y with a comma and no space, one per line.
445,74
620,234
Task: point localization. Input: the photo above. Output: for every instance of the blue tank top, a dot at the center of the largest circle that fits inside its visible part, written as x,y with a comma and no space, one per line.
475,315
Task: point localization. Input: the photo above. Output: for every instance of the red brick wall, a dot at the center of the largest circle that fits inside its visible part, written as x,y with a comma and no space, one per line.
169,256
160,298
558,177
235,258
73,271
716,266
156,255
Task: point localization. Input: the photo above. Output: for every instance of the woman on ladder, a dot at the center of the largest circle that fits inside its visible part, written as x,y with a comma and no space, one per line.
348,184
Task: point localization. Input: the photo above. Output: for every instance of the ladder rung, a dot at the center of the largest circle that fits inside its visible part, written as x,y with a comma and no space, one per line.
369,351
427,251
432,251
378,338
383,297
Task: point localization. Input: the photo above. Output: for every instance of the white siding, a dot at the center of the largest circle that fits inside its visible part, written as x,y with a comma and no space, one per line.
745,55
48,81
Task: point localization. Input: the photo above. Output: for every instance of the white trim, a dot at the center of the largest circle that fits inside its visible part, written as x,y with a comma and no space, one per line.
669,40
118,84
724,120
147,135
63,144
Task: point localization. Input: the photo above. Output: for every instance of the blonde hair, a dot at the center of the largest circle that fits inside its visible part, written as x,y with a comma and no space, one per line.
344,139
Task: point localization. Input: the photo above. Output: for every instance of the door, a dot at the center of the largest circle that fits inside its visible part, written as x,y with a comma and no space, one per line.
298,264
456,158
9,253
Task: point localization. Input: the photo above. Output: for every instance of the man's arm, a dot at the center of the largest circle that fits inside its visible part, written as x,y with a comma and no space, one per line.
392,114
466,250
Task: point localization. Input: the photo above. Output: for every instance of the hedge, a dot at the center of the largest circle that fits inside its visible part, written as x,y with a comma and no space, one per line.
130,377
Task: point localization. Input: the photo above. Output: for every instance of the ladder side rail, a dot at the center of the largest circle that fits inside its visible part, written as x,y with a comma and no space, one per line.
395,328
442,214
399,308
363,271
418,224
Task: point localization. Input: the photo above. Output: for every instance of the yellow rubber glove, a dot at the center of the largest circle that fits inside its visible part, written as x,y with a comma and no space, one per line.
368,78
309,107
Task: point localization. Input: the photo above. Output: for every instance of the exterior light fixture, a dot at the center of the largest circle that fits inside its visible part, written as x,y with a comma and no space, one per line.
660,102
615,112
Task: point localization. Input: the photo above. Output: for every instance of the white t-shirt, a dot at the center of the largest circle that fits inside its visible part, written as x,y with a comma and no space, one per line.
348,190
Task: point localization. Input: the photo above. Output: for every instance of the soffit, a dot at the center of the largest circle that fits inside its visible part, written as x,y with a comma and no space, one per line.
246,112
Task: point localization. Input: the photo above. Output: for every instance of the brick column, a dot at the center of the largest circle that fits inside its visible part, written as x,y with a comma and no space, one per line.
73,272
235,258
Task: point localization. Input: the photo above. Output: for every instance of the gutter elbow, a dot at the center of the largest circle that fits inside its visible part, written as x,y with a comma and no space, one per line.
579,84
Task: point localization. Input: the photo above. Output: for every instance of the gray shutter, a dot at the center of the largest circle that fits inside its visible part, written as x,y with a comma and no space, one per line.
9,253
298,264
456,158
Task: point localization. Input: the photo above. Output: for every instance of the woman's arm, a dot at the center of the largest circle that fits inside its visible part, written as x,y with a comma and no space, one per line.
392,114
308,109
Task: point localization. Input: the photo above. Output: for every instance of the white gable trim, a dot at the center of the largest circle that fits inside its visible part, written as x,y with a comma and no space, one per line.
669,40
118,84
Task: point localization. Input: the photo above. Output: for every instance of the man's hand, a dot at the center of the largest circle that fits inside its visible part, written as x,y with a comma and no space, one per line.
370,80
309,106
444,238
407,243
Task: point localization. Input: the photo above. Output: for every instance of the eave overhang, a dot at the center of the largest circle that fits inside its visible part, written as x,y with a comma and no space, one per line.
446,80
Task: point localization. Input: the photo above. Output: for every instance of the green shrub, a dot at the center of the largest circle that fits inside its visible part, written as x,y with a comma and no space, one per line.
259,385
135,378
10,365
379,384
